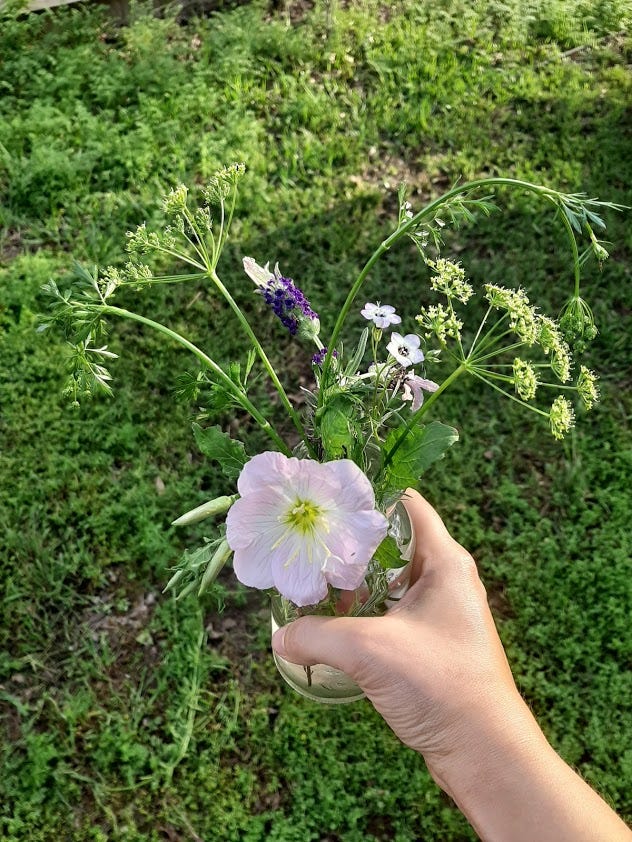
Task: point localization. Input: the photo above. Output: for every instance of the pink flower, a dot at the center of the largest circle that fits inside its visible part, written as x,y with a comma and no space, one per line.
414,388
300,525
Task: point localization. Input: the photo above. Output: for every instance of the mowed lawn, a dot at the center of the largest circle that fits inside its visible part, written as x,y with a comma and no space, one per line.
128,716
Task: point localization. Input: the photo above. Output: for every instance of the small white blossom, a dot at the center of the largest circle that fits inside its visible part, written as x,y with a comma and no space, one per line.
261,275
405,349
382,315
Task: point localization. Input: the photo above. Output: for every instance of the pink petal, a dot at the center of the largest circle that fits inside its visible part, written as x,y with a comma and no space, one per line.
252,565
353,489
343,575
253,516
297,573
263,470
354,536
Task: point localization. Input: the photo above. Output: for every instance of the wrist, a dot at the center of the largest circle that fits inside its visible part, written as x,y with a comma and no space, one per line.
494,742
511,785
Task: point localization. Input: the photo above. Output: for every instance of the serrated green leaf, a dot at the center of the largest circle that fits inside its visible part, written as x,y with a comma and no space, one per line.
337,429
217,445
388,554
422,447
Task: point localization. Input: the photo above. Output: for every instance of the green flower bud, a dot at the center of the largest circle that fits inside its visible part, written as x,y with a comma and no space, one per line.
218,506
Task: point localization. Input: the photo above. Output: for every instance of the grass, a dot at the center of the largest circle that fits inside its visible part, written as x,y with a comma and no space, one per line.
330,105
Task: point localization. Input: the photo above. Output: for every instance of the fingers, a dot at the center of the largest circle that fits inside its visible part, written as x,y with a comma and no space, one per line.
435,548
320,640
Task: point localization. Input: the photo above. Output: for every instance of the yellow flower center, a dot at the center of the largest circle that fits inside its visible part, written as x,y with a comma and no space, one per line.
303,516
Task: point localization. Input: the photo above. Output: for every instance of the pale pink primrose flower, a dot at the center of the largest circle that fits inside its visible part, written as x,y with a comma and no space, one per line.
382,315
405,349
414,388
299,525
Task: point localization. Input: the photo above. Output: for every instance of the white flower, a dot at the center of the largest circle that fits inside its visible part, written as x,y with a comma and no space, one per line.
382,315
300,524
261,275
405,349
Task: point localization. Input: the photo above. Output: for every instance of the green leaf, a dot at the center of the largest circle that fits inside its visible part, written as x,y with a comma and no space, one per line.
218,446
388,554
421,447
337,429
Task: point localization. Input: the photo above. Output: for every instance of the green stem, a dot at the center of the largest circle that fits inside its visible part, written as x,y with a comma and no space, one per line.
507,395
165,279
264,359
414,418
574,249
478,332
209,363
403,231
498,351
185,258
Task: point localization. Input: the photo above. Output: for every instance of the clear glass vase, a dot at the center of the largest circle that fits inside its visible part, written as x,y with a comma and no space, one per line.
323,683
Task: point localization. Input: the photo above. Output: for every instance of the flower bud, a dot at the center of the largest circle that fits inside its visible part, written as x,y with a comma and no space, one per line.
218,506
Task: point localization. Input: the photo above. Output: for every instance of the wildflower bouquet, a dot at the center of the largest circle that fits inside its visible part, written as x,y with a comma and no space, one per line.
318,522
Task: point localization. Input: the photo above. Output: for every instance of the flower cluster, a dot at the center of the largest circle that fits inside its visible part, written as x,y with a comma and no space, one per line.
523,318
525,379
450,280
562,417
308,517
284,298
437,321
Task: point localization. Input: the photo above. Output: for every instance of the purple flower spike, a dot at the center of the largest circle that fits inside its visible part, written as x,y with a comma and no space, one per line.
288,303
319,356
284,298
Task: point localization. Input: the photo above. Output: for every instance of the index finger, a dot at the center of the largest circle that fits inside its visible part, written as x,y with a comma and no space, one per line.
435,548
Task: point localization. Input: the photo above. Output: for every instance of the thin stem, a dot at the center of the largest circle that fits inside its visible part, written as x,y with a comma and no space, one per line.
201,250
231,387
414,418
574,249
165,279
559,386
264,359
504,377
489,340
495,353
507,395
185,258
478,332
404,229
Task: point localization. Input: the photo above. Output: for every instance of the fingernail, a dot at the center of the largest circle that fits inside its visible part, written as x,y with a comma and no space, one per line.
278,641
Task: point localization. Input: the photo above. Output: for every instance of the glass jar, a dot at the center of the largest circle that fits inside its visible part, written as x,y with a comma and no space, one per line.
323,683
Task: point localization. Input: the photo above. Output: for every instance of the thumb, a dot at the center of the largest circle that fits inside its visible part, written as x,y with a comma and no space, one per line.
336,641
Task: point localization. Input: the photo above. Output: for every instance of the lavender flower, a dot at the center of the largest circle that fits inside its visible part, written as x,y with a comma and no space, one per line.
319,356
284,298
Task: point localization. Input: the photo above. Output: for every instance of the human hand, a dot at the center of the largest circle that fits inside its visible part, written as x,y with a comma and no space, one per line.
435,669
433,666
